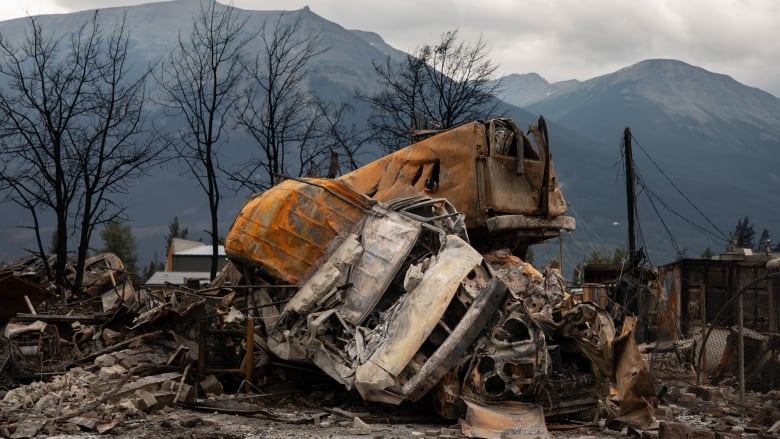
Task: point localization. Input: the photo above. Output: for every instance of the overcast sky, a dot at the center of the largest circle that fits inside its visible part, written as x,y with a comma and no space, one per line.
559,39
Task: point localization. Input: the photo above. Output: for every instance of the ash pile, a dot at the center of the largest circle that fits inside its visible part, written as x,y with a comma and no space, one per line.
394,289
390,301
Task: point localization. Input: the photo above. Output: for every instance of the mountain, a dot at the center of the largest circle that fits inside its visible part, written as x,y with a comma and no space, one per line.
170,191
715,139
522,90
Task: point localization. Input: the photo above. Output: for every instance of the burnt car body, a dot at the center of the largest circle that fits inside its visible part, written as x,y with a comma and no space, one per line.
395,294
502,179
379,285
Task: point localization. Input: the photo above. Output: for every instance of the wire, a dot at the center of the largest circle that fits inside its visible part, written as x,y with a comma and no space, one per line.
655,200
722,235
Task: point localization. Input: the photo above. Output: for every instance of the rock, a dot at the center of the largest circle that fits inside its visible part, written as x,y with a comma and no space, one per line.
47,402
88,424
211,385
164,399
105,360
27,429
148,401
190,421
111,337
702,392
360,427
674,430
111,372
184,394
130,406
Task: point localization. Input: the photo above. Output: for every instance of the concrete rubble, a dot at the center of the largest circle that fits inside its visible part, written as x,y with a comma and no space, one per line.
392,289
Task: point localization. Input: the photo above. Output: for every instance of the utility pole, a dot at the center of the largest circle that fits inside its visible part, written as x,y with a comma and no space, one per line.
630,196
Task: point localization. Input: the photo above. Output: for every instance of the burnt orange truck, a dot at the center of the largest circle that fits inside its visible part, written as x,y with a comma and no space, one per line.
501,178
380,278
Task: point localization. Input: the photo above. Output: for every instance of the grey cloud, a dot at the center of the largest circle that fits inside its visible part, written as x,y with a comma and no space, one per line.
565,39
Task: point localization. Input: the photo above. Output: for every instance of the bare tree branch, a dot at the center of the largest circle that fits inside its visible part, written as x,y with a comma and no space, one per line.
201,83
71,131
277,112
437,87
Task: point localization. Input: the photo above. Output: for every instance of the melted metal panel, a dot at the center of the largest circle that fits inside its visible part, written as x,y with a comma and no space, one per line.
288,228
387,240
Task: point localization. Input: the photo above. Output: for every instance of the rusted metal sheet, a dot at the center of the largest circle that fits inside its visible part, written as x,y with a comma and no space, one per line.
413,320
487,170
287,229
636,391
350,320
387,241
13,291
507,419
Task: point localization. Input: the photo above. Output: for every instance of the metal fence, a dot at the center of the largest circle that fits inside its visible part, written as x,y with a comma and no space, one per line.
739,345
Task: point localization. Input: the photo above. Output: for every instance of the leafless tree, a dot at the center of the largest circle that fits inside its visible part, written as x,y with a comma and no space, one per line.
278,112
116,145
344,141
71,130
201,82
439,86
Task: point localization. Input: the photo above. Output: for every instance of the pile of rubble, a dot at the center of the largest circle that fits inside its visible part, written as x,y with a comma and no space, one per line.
390,300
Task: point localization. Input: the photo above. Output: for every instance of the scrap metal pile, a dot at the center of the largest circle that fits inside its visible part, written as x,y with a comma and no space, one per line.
398,281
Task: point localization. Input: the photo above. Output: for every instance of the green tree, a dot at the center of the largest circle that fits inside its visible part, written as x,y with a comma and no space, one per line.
707,253
175,231
764,242
118,239
154,266
599,256
743,234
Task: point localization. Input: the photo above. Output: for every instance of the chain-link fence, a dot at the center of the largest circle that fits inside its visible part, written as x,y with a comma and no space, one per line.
738,345
689,318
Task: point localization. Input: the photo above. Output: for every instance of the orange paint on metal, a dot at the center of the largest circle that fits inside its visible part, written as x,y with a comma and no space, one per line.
464,165
288,228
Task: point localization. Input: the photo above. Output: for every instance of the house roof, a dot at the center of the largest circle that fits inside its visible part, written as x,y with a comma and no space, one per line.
181,244
176,277
202,250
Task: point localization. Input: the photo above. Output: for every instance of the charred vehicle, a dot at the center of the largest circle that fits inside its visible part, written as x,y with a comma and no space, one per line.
378,279
365,270
502,179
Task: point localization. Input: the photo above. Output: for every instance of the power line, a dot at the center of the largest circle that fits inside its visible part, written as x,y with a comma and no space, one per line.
722,235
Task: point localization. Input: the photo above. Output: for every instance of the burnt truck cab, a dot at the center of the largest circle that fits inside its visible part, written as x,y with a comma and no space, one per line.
385,297
501,178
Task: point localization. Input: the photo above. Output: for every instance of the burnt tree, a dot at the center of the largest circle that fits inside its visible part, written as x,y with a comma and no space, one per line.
201,81
278,113
71,131
436,87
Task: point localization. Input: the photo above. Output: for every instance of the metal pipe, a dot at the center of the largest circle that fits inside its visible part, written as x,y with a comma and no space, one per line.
740,323
249,362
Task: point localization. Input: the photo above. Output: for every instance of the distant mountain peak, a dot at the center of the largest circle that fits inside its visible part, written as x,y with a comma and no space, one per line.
522,89
531,76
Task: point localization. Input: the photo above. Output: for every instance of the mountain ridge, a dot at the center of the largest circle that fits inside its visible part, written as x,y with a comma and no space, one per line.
585,119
